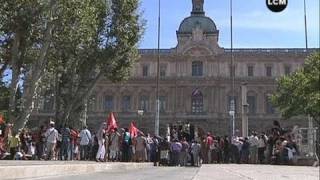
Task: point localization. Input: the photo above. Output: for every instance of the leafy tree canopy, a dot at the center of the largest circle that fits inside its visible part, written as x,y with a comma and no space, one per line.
299,92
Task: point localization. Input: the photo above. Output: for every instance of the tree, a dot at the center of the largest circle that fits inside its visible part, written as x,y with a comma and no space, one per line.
299,93
75,44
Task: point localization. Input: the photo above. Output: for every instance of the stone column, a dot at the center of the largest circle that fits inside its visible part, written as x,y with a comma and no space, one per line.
244,110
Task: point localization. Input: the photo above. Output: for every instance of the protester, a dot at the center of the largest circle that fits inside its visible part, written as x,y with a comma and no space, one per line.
85,139
175,148
126,145
195,150
253,141
51,141
184,152
65,144
101,141
14,144
114,145
262,146
140,148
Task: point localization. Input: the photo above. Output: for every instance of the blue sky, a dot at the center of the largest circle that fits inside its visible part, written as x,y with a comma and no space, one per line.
255,26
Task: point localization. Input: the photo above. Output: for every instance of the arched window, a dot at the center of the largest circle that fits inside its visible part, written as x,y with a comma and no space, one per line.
126,103
197,102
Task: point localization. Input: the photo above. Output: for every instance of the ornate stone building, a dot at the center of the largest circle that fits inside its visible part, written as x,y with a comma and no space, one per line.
195,82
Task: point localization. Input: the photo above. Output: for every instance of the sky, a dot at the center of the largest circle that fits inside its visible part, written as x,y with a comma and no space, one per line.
254,25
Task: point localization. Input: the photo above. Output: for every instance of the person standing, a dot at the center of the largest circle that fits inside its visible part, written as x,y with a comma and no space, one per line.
14,143
114,145
85,139
140,148
262,146
126,143
101,140
210,147
175,148
253,141
195,150
51,140
148,146
65,144
184,152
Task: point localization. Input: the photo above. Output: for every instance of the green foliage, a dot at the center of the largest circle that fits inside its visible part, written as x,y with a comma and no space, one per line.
89,39
299,93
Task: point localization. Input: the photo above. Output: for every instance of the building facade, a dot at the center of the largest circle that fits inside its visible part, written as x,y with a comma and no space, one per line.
196,83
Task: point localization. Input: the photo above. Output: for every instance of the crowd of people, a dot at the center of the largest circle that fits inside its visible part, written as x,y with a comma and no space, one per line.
176,149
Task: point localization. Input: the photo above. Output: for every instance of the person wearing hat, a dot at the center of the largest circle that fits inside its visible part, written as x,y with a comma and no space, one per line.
51,140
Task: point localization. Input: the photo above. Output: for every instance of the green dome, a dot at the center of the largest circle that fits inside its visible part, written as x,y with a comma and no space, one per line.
191,22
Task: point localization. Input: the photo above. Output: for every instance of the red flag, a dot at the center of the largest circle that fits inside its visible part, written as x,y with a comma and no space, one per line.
133,130
1,119
112,123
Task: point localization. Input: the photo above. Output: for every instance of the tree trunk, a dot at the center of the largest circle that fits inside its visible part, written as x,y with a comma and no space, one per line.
78,100
15,75
39,68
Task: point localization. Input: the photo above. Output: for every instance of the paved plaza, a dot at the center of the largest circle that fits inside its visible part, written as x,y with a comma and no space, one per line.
206,172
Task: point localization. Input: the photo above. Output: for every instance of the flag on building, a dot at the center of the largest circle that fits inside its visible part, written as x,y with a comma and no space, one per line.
111,122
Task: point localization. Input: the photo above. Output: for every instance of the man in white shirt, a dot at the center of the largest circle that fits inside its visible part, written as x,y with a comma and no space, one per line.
51,140
85,139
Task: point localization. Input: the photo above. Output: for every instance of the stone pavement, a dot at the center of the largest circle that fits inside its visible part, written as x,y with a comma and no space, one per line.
259,172
145,171
35,169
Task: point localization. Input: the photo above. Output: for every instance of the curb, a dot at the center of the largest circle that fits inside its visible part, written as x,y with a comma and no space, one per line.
46,170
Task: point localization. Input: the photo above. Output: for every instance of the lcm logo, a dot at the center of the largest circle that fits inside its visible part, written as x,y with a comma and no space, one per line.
277,5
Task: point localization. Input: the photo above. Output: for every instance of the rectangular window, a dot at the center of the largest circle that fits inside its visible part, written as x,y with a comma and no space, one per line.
144,103
287,70
162,100
268,71
251,100
163,69
250,71
126,102
108,103
145,70
197,68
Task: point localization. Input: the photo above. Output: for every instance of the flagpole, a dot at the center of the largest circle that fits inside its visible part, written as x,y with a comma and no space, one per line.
232,103
305,25
157,119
